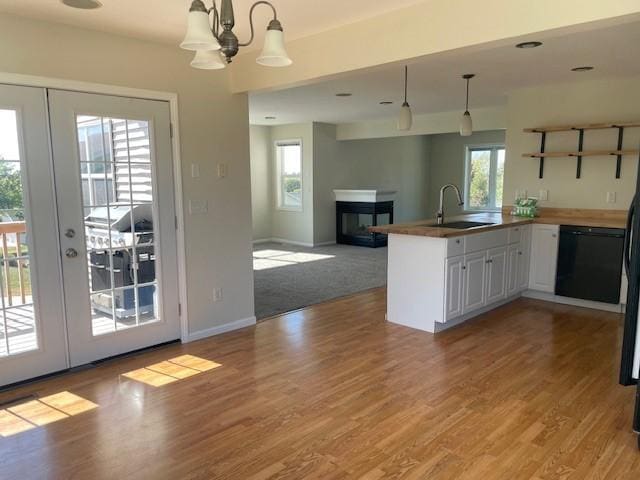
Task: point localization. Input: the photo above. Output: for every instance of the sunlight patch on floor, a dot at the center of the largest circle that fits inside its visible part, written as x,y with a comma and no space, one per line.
266,259
43,411
171,370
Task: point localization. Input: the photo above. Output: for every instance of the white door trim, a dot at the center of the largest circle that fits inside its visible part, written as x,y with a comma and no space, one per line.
172,98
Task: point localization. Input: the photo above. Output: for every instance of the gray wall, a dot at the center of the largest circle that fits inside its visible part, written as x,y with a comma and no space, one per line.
261,172
447,165
398,163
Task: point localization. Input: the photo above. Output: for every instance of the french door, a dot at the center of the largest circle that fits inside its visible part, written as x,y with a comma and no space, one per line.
99,243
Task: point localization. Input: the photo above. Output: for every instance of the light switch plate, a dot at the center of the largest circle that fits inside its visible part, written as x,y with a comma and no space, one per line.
198,207
543,195
217,294
222,170
521,193
611,197
195,170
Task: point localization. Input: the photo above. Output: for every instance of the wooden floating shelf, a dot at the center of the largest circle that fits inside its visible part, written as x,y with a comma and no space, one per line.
588,126
585,153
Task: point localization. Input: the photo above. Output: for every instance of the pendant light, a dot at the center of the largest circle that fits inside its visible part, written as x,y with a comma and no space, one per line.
466,125
405,119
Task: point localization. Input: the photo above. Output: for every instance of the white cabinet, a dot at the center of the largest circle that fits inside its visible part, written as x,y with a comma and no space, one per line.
524,254
513,262
496,274
454,287
475,268
544,255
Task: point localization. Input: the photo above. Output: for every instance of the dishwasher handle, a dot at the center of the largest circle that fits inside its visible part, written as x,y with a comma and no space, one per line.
627,237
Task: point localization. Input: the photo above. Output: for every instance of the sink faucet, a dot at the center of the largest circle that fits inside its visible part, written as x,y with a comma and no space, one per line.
440,214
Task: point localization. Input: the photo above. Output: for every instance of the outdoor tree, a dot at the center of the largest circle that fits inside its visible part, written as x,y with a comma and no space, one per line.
10,191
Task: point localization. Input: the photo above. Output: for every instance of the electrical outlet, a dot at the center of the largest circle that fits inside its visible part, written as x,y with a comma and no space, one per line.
611,197
543,195
217,294
222,170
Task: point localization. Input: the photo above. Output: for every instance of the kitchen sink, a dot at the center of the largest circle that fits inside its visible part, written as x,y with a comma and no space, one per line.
462,225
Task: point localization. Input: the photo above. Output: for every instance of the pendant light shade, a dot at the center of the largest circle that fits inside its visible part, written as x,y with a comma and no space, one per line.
273,53
405,118
199,34
466,124
208,60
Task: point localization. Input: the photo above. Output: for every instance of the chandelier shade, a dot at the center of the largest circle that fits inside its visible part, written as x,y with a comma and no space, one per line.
466,125
208,60
199,35
273,53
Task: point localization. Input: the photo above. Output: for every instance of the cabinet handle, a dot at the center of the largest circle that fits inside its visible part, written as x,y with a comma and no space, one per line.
458,241
464,267
519,253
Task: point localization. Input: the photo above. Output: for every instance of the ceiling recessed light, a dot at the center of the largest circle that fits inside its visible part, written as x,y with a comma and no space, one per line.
343,94
586,68
83,4
386,102
270,118
528,44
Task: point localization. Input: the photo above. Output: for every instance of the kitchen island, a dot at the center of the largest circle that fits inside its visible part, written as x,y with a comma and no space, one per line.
439,277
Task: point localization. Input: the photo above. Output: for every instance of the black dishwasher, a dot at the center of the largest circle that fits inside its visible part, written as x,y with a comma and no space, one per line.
590,263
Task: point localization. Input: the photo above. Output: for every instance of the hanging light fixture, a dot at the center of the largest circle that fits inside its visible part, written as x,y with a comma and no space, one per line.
202,37
466,125
405,119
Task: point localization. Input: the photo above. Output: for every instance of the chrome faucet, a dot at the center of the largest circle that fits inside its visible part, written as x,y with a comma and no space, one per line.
440,214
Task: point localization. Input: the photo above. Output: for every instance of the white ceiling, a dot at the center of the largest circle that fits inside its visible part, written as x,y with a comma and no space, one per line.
165,20
435,83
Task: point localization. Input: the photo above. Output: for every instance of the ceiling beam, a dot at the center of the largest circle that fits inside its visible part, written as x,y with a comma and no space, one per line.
430,27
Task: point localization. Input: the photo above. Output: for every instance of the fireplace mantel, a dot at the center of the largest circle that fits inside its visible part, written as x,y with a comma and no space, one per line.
369,196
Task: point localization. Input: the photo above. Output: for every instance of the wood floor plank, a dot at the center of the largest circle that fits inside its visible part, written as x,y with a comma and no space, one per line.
527,391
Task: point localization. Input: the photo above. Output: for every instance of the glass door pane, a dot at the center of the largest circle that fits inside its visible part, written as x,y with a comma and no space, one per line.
18,329
117,190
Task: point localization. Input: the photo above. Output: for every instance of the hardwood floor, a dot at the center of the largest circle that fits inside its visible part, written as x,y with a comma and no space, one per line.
333,391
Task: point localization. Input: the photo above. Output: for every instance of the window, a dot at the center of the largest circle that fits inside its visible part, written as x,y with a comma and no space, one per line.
289,171
484,177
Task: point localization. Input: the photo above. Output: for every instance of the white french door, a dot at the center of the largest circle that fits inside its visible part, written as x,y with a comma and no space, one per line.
87,229
32,328
116,212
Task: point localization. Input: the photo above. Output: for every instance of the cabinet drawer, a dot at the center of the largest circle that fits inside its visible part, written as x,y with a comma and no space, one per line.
485,241
455,246
515,234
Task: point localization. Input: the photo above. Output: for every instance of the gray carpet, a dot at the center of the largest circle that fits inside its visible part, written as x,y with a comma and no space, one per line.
289,277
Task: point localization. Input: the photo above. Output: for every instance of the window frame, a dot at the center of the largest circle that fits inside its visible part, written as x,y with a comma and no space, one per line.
278,177
493,164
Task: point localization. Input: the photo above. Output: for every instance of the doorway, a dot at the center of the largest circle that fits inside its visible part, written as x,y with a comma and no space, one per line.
89,247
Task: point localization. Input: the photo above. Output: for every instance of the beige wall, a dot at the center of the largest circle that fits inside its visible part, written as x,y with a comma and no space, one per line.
213,126
447,155
261,184
289,225
585,102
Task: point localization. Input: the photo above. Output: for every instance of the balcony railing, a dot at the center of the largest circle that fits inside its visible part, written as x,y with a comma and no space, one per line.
14,256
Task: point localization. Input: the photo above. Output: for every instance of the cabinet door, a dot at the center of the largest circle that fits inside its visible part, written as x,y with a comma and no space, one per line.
513,269
496,274
454,282
475,267
544,255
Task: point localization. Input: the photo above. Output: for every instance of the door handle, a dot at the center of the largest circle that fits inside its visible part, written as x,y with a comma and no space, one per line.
627,238
71,253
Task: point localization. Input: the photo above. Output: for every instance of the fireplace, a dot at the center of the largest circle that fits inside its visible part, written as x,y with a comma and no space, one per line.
357,210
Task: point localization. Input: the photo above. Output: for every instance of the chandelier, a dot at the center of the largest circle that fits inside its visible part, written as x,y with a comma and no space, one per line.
216,45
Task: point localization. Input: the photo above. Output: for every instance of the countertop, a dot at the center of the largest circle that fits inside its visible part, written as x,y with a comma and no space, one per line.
427,228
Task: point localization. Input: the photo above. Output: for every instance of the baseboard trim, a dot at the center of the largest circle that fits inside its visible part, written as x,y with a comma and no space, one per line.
261,240
576,302
292,242
324,244
219,329
440,327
